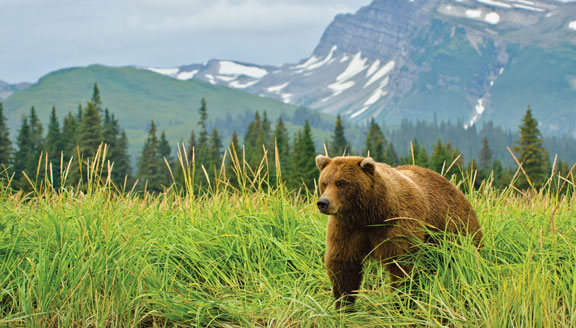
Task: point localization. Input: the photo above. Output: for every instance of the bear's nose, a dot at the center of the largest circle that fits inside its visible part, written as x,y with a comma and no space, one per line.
323,204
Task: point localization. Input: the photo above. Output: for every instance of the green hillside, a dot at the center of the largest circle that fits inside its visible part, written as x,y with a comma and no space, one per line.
137,96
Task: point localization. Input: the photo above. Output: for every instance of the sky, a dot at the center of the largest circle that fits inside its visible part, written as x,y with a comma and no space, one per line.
40,36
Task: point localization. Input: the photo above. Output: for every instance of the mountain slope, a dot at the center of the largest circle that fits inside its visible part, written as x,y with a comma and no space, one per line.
458,60
6,89
137,96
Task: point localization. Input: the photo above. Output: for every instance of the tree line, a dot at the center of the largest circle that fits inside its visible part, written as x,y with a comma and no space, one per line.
267,155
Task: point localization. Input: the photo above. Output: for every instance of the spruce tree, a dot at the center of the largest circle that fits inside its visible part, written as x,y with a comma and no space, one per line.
6,150
531,153
150,164
25,152
375,143
303,169
485,159
392,155
234,153
164,150
203,145
254,139
89,135
27,156
96,100
339,145
215,148
36,132
440,158
267,128
281,143
192,146
422,159
122,171
54,147
69,129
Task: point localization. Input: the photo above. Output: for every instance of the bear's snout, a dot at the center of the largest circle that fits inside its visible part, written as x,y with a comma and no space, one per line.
323,204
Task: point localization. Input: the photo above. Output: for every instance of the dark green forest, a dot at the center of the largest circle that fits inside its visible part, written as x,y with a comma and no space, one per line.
63,151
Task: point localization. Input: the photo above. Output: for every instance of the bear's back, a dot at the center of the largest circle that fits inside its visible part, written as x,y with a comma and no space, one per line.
449,208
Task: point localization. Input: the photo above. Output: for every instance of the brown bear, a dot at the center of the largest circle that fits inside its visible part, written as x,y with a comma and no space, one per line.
379,211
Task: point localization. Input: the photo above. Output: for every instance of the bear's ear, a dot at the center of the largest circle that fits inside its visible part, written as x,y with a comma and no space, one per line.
322,161
368,165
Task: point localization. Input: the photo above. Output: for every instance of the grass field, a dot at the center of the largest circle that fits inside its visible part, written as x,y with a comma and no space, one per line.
254,257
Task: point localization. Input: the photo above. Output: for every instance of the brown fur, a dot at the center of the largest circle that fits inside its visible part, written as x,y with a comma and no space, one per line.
376,210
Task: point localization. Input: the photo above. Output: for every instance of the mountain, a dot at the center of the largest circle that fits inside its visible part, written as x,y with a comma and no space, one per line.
471,61
6,89
138,96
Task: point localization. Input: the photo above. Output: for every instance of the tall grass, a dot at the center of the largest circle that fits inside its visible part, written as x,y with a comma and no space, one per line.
251,256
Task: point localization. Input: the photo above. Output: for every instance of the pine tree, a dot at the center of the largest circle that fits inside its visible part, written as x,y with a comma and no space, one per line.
150,163
281,143
267,128
54,147
203,145
422,159
6,150
440,158
375,143
339,145
29,144
392,155
164,150
122,171
89,131
96,100
25,152
215,149
303,169
36,132
192,147
485,159
531,153
254,139
234,154
69,129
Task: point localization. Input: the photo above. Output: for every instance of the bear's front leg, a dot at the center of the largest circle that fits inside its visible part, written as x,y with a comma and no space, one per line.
346,278
346,248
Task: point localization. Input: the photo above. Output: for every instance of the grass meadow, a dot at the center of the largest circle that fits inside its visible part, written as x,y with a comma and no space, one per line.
253,257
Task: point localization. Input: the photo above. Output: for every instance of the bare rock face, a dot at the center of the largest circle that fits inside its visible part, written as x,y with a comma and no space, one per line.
458,60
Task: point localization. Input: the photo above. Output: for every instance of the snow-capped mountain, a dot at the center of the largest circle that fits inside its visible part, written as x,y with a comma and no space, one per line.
467,60
6,89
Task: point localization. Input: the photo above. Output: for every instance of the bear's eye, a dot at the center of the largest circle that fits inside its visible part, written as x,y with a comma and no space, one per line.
341,183
323,184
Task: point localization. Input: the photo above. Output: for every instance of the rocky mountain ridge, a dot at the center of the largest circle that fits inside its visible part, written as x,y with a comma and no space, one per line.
428,59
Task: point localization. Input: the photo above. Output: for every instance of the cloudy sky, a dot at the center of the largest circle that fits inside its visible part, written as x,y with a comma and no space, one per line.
39,36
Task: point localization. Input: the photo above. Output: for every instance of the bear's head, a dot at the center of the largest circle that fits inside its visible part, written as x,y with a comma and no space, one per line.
345,184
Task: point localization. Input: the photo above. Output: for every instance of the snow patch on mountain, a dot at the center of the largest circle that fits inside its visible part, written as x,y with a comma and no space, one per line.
479,109
286,97
381,73
164,71
492,18
186,75
473,13
322,62
356,66
339,87
572,25
277,88
240,85
496,4
373,68
376,95
232,68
